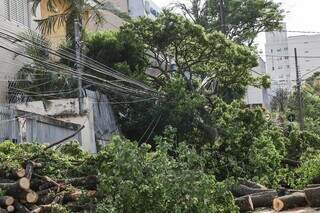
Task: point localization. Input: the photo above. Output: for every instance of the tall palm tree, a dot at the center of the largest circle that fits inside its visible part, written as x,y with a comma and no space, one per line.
65,12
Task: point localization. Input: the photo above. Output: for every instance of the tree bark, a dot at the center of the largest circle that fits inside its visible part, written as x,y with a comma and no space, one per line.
263,199
27,196
313,196
294,200
252,184
244,203
242,190
21,184
19,208
89,182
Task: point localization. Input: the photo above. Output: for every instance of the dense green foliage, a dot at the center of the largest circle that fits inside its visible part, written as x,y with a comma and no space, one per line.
241,20
137,179
132,178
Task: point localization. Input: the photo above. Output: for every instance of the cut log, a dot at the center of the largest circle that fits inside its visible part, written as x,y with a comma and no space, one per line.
263,199
242,190
47,191
313,196
27,196
29,169
10,208
6,201
252,184
244,203
19,173
19,208
74,196
21,184
313,186
294,200
89,182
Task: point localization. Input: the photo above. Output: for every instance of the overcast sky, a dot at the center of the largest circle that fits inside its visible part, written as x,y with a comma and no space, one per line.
302,15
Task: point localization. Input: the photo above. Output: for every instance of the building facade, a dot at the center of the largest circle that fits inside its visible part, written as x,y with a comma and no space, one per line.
281,62
15,17
258,96
140,8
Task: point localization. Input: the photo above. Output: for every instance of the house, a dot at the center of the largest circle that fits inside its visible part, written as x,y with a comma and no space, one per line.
15,17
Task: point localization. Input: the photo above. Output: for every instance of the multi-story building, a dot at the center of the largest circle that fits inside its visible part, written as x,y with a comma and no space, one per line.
281,62
134,8
139,8
257,96
15,17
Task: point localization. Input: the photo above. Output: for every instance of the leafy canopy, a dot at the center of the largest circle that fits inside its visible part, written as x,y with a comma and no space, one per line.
242,20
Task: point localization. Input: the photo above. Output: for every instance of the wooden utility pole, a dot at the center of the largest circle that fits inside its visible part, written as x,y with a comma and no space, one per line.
222,17
77,35
299,95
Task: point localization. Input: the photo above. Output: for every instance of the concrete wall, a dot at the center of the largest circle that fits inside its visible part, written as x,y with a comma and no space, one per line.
98,119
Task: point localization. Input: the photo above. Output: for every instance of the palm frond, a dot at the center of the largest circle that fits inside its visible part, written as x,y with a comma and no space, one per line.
49,24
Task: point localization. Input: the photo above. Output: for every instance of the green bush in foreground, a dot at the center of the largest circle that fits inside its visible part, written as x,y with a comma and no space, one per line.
136,179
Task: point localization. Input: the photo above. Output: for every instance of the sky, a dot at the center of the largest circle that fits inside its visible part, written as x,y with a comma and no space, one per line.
301,15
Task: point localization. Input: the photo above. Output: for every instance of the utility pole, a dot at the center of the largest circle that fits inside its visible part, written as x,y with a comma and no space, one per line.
299,95
222,17
77,34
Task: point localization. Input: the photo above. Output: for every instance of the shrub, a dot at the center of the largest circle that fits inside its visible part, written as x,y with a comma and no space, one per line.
135,179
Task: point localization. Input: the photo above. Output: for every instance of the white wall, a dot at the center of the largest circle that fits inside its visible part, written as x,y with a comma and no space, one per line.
254,95
140,8
281,62
20,20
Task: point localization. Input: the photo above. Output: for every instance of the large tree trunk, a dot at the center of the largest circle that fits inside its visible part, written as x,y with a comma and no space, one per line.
313,196
294,200
244,203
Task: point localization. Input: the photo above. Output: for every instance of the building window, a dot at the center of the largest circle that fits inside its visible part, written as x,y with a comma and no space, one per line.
271,50
273,68
306,42
279,50
306,51
16,10
288,66
286,57
280,67
286,48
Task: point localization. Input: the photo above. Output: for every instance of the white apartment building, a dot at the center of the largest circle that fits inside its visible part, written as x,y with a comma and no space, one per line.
281,62
15,17
257,96
139,8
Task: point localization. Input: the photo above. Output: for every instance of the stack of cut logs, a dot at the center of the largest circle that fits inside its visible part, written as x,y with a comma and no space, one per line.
25,192
250,196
